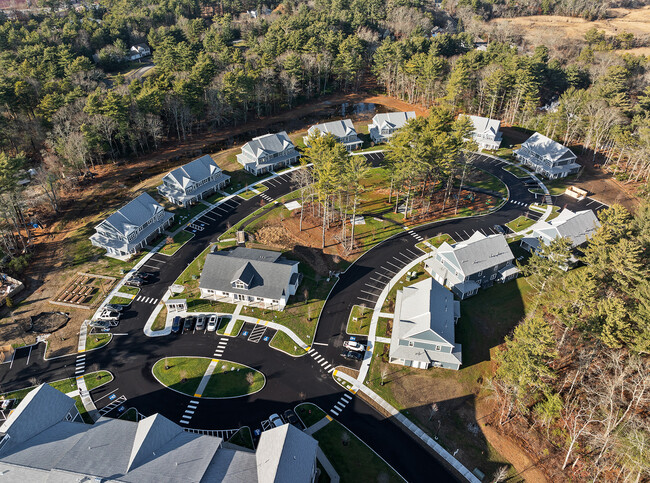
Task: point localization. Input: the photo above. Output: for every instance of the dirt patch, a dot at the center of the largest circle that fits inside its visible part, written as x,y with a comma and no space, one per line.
46,322
546,29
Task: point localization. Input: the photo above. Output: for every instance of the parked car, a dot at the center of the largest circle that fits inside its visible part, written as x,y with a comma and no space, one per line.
145,275
188,324
115,307
499,229
291,418
353,355
276,420
200,322
177,324
134,282
212,323
354,346
108,314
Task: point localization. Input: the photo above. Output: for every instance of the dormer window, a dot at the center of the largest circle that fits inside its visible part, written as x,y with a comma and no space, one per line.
240,285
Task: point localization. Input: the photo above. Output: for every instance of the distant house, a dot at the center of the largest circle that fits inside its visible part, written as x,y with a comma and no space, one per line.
343,131
138,51
43,440
131,227
386,124
268,153
472,264
423,327
259,278
577,227
547,157
486,132
192,182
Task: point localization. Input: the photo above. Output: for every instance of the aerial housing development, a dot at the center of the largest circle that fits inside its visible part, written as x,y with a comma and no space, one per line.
322,241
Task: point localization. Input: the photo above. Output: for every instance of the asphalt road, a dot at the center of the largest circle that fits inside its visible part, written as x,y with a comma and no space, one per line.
131,354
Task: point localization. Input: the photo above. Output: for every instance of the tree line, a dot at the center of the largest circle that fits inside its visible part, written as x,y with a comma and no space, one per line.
576,368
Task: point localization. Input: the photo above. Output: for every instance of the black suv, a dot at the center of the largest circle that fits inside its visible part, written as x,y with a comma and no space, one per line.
177,324
188,324
353,355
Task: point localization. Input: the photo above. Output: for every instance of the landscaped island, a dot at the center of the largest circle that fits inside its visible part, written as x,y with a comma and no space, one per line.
227,379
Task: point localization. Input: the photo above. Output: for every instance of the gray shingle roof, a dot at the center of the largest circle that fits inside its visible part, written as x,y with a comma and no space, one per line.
195,171
576,226
543,146
285,454
134,214
268,144
485,125
270,276
339,129
394,120
41,409
478,253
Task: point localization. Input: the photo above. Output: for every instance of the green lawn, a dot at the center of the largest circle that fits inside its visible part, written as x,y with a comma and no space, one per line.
117,300
384,327
261,187
129,290
95,341
517,171
520,223
214,198
161,319
179,240
436,241
183,215
351,457
65,385
96,379
240,178
243,438
229,379
247,195
477,178
239,323
183,373
309,413
283,342
360,326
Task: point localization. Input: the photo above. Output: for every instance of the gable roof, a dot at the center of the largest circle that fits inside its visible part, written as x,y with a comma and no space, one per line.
543,146
195,171
393,120
576,226
268,144
339,129
485,124
269,275
41,409
478,253
134,214
285,454
427,309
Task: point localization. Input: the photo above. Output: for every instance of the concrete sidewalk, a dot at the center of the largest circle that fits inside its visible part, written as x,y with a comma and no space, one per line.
233,320
206,377
86,400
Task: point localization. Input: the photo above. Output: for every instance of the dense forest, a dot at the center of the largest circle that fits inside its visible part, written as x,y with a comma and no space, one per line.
574,375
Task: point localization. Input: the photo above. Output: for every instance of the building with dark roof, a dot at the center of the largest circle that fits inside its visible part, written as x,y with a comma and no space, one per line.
131,227
259,278
41,442
192,182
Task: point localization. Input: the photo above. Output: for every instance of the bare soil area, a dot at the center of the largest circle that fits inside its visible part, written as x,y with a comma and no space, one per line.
546,29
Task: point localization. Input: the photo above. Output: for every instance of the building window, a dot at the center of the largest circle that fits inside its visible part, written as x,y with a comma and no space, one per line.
493,276
438,348
411,343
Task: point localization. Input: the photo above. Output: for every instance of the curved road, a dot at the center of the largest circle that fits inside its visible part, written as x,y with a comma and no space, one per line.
131,355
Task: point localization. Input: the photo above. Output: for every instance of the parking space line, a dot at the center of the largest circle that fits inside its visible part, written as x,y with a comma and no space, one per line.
387,269
393,265
366,300
372,286
369,293
468,235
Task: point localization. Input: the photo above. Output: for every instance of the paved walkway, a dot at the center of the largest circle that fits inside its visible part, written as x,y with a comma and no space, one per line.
125,295
233,320
86,400
329,469
319,425
206,377
83,334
